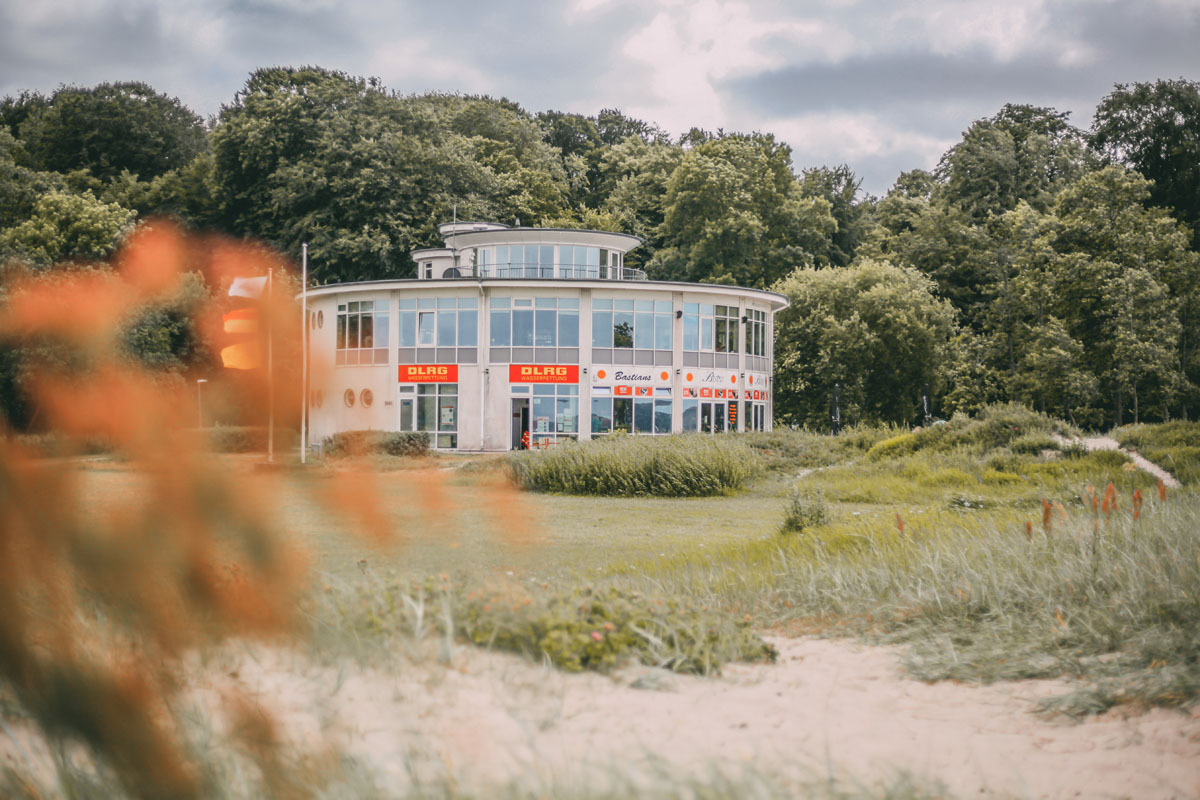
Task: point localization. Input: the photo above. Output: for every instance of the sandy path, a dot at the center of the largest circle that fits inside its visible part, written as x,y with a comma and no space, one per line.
827,707
1106,443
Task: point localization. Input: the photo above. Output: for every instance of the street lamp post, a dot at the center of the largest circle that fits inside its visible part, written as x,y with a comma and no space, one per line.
200,401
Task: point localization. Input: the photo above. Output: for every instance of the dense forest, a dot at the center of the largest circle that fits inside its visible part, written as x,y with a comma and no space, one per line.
1038,262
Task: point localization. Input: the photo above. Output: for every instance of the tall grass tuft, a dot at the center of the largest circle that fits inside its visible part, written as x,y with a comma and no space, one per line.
630,466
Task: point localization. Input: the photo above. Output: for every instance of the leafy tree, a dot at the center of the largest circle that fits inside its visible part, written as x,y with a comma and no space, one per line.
1125,287
67,226
20,186
633,179
1023,153
110,128
875,329
733,213
1155,129
840,187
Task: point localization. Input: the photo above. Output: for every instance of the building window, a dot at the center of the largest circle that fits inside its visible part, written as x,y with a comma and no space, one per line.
534,322
437,413
427,270
555,412
438,322
710,327
639,324
547,261
756,333
362,332
366,397
642,415
348,398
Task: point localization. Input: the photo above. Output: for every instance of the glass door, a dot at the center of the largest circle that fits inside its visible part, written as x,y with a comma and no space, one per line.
406,414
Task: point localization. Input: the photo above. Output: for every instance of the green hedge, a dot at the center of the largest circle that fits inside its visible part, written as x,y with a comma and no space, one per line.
390,443
690,465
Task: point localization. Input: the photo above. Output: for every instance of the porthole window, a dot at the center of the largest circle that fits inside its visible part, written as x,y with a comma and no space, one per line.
320,319
366,397
349,398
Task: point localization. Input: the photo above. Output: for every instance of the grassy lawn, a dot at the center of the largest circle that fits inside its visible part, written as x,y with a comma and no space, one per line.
981,545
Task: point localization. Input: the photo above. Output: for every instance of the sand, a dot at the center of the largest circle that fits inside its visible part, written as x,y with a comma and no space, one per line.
827,708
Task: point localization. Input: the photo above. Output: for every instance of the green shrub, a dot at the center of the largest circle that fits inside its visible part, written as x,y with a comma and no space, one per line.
691,465
1034,443
805,509
900,445
237,439
391,443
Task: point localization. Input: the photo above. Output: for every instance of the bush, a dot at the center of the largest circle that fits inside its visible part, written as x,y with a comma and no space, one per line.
389,443
805,509
237,439
691,465
1034,443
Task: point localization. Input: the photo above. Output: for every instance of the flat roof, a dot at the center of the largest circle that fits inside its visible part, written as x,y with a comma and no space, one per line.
392,284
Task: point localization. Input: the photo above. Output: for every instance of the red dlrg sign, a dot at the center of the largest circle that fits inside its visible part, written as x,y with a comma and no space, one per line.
543,373
429,373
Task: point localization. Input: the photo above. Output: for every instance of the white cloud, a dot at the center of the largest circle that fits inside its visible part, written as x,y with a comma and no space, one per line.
836,138
688,47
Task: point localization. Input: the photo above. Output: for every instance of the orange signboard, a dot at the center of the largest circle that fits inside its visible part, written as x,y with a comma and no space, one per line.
623,391
543,373
429,373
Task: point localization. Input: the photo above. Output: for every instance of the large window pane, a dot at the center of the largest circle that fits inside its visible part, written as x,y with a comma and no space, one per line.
721,345
352,330
522,328
543,415
567,415
381,330
546,328
691,332
467,333
706,334
602,414
643,416
568,328
622,414
426,413
501,335
662,415
690,415
447,413
446,326
408,328
367,334
341,332
622,329
662,331
643,333
602,329
425,327
733,335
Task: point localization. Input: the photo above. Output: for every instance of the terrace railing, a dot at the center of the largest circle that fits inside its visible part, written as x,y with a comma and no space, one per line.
561,271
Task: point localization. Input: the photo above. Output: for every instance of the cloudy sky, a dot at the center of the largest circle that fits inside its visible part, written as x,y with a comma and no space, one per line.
881,85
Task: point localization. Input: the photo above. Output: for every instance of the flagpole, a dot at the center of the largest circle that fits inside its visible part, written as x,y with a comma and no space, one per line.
304,353
270,375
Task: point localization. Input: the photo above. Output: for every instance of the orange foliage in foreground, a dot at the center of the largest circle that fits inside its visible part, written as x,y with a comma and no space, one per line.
97,605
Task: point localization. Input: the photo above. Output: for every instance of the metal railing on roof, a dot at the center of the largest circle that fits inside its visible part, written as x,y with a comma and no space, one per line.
560,271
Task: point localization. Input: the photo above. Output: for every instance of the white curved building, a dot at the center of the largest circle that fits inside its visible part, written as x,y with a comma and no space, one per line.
507,331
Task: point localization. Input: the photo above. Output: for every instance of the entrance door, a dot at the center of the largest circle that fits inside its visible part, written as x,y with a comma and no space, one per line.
719,411
407,417
706,417
520,421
